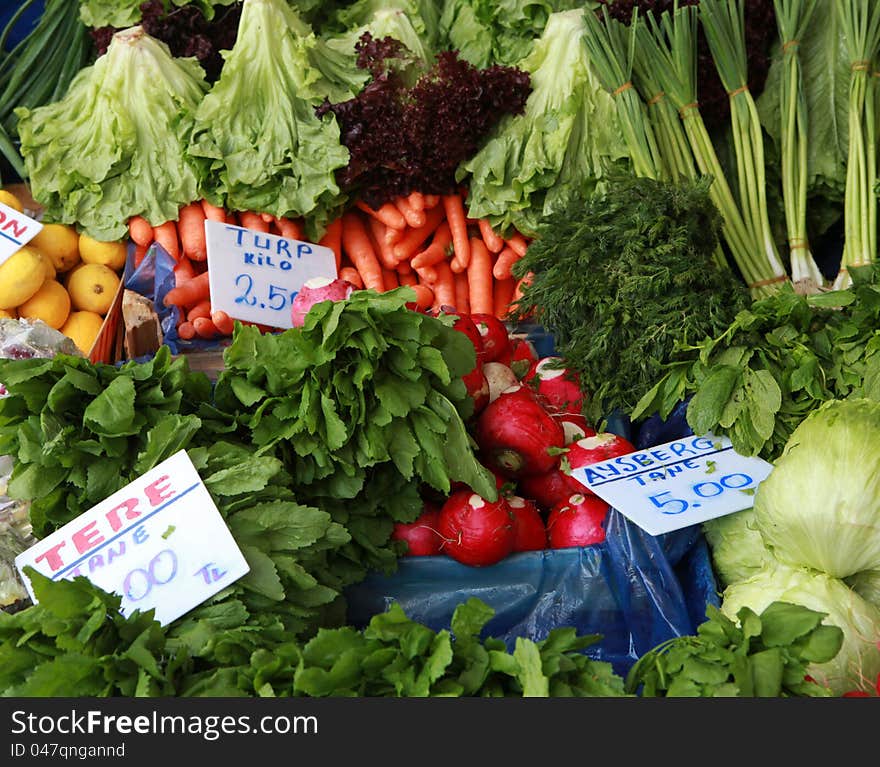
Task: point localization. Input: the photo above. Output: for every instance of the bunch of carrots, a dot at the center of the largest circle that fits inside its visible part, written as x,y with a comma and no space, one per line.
429,243
184,241
424,241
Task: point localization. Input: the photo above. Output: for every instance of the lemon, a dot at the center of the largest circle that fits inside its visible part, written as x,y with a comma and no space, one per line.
21,275
60,243
8,198
82,327
8,314
94,251
51,304
93,287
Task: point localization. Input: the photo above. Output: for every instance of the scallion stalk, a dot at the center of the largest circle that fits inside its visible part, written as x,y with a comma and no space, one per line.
724,24
860,20
612,46
668,47
793,19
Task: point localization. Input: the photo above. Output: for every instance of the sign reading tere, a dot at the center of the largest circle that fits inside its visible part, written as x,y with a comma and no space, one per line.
158,542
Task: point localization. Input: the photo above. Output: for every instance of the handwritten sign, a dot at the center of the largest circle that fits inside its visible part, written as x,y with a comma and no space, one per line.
677,484
255,276
16,231
158,542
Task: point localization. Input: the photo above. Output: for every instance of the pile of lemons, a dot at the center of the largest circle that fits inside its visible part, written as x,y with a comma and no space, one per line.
64,278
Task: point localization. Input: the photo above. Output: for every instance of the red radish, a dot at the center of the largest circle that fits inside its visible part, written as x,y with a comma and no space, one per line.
478,388
313,292
475,531
464,324
519,356
517,436
549,488
496,341
500,378
421,535
529,531
596,448
577,521
574,425
558,386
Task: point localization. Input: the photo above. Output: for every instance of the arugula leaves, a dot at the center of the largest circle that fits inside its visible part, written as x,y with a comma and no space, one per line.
779,360
762,655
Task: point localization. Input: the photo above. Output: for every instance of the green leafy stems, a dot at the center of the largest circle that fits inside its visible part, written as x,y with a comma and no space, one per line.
612,49
793,18
861,29
666,52
724,25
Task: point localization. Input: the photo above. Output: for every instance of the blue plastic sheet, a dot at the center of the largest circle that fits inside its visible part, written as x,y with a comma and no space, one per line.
634,589
153,278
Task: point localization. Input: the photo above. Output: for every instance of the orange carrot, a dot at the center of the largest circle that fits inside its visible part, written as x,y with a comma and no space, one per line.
518,243
413,217
431,200
462,301
454,208
444,286
502,295
416,200
427,274
201,309
186,330
183,271
437,250
333,239
267,217
251,220
383,248
350,274
232,219
166,235
403,267
456,265
388,214
390,279
408,277
225,324
356,243
190,292
506,259
479,278
213,212
191,227
424,296
139,252
518,290
289,227
140,230
492,240
415,237
205,327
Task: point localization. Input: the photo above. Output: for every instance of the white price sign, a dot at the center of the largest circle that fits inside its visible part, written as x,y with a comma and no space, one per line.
16,231
677,484
254,276
158,542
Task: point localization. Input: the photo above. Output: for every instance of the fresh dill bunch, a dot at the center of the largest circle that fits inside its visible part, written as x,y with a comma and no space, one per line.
623,279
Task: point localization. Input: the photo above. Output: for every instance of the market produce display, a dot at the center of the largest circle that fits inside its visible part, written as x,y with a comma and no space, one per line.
558,229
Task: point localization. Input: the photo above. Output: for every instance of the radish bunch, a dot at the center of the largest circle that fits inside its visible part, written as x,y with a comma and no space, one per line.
530,430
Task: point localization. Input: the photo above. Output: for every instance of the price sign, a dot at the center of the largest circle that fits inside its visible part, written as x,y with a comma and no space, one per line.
158,542
677,484
16,231
255,276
